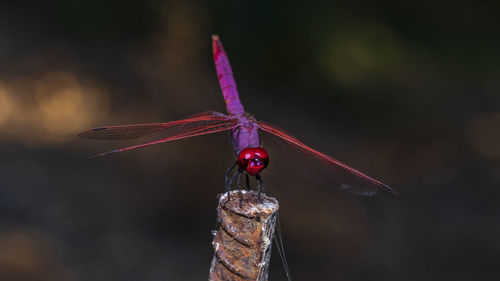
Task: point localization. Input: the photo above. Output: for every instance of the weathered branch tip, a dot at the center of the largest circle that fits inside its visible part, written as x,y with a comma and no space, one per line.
244,235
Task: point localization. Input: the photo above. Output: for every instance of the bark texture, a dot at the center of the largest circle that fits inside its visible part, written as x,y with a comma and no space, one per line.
244,235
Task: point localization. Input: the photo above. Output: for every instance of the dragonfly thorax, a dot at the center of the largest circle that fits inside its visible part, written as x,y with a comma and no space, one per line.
253,160
246,134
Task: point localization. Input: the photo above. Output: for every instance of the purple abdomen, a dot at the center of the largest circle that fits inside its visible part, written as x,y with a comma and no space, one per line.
247,133
226,80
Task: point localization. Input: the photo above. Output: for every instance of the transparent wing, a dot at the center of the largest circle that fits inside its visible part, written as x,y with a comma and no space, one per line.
138,130
321,167
200,124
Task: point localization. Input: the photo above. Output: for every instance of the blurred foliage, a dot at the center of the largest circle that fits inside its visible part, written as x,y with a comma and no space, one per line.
406,91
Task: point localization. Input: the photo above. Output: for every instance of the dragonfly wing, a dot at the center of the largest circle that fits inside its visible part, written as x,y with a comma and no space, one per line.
198,125
321,167
139,130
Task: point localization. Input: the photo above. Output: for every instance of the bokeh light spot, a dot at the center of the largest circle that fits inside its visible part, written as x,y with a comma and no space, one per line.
6,105
65,105
364,51
53,108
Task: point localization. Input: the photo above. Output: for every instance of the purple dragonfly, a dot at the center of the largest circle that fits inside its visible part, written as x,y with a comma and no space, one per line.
246,139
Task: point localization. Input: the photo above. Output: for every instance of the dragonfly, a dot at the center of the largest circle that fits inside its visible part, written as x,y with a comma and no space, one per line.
246,132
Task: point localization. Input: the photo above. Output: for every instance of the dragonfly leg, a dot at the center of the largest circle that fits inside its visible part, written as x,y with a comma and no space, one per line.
247,181
260,185
231,181
240,172
228,183
239,178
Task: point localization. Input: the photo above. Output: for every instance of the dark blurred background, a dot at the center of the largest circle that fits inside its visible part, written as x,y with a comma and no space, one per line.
406,92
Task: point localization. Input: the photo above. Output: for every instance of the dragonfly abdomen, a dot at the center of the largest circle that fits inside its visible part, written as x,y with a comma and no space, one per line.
226,79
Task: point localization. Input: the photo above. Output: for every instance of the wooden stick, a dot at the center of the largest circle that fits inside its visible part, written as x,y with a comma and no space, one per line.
244,236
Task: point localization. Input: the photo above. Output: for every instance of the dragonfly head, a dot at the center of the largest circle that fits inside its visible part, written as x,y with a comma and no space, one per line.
253,160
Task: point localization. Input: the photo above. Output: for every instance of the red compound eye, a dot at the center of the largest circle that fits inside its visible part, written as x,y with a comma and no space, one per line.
253,160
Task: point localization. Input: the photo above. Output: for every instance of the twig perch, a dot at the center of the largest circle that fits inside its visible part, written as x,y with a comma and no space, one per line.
244,236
